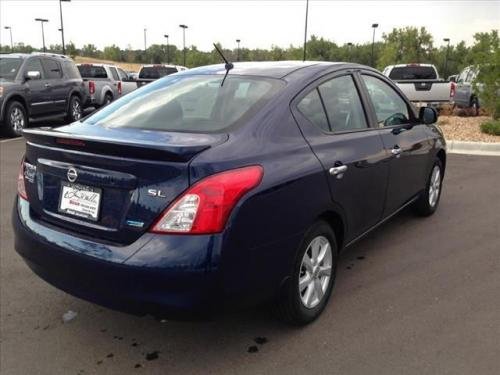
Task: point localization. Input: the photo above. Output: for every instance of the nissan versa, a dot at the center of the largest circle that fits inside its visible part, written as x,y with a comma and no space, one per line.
224,186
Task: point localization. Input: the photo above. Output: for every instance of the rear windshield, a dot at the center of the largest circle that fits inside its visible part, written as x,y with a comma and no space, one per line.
190,103
9,67
412,72
92,71
155,72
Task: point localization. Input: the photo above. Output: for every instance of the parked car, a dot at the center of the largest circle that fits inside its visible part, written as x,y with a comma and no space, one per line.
104,83
466,95
421,84
200,192
38,87
150,73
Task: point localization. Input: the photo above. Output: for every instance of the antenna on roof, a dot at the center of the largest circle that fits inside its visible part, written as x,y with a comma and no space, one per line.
228,66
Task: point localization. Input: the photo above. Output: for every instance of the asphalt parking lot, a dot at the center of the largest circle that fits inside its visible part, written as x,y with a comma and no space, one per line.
417,296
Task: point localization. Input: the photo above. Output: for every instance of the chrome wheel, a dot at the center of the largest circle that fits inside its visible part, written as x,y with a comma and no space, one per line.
315,272
434,185
17,120
76,110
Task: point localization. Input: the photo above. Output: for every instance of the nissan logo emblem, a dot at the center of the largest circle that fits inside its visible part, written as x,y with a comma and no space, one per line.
72,175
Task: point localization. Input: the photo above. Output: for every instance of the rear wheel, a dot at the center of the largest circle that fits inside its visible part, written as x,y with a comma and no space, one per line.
75,109
475,106
308,290
428,201
108,98
15,119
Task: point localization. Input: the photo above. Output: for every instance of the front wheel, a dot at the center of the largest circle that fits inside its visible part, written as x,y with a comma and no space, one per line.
308,290
75,109
428,201
15,119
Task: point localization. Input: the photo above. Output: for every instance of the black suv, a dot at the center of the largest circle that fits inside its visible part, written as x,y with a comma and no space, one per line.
38,86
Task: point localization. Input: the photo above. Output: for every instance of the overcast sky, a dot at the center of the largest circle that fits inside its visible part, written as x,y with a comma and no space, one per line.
257,23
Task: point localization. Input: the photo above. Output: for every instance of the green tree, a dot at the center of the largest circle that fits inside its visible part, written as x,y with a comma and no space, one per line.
112,53
90,50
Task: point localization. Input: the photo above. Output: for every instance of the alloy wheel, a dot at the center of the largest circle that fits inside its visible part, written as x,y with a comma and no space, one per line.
17,119
434,186
315,272
76,110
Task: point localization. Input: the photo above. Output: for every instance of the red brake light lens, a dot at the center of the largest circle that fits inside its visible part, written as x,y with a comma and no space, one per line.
452,89
119,88
205,207
21,186
91,87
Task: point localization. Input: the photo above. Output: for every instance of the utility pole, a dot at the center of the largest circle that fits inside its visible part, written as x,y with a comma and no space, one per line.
305,30
184,27
11,44
62,25
374,26
42,21
145,46
445,74
168,49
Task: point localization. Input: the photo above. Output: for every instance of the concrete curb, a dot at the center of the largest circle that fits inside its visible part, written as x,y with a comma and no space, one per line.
473,148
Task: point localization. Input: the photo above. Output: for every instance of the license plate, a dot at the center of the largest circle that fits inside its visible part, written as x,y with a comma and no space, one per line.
80,200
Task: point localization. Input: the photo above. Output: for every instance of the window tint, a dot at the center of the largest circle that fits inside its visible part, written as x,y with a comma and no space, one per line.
34,65
390,108
342,104
92,71
412,72
114,73
71,70
9,67
155,72
52,68
312,108
122,74
463,75
189,103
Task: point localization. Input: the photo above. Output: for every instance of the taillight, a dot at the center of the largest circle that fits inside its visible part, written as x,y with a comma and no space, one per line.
119,88
205,207
452,89
91,87
21,187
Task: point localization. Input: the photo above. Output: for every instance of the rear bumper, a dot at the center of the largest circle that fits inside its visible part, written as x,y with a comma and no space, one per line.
165,275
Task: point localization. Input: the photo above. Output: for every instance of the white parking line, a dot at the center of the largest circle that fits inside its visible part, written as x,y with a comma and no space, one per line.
11,139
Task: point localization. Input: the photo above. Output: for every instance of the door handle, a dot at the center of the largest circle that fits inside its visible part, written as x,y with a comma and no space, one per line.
334,171
396,151
48,85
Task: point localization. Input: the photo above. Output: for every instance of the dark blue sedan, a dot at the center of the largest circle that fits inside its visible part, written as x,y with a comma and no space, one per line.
200,192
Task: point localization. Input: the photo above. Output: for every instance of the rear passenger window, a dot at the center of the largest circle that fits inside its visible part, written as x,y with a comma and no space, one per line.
114,73
342,104
312,108
92,71
390,108
52,68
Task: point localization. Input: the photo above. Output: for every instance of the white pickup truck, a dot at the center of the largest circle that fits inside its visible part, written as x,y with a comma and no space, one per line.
421,84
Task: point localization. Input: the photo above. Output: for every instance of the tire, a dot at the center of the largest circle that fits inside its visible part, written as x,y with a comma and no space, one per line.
428,201
75,109
300,305
474,104
108,98
15,119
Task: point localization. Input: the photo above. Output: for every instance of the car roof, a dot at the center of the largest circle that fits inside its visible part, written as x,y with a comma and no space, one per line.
272,69
35,54
410,65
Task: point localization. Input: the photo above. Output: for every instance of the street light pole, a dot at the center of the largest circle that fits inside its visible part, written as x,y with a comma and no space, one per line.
10,30
374,26
184,27
349,48
446,58
238,41
62,24
168,49
305,30
42,21
145,39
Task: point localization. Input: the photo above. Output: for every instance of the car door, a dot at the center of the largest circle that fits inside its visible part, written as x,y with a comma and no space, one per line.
59,89
463,89
39,89
333,121
405,141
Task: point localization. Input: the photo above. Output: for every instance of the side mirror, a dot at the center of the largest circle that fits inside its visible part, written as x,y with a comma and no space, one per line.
33,75
427,115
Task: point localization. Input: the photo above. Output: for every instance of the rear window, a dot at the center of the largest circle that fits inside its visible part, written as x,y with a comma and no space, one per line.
9,67
92,71
189,103
155,72
412,72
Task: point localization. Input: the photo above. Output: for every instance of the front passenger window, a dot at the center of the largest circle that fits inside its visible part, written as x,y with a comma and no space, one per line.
390,108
